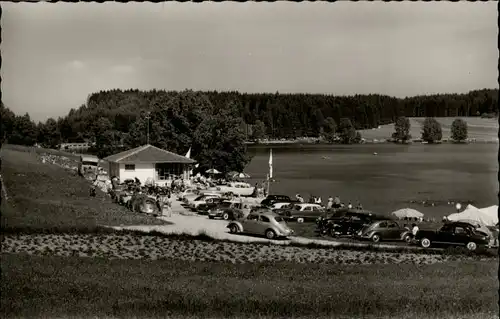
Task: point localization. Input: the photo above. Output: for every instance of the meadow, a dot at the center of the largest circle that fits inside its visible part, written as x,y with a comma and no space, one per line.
75,287
425,177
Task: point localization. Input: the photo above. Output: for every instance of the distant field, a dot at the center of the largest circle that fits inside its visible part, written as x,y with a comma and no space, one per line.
478,128
45,196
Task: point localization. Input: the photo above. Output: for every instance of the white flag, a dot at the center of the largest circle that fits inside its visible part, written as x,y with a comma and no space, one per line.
188,154
271,164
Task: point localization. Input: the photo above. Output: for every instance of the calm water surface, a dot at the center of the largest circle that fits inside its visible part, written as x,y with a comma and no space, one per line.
390,180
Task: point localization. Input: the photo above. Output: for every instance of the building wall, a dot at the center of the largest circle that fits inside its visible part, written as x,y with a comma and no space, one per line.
142,172
114,170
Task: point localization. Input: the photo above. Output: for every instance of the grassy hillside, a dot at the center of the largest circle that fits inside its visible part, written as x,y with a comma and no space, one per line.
479,128
45,196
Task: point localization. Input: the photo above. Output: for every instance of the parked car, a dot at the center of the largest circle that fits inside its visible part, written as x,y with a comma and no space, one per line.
453,234
201,200
301,212
142,203
271,199
188,192
232,210
385,230
346,222
280,205
209,204
265,223
190,199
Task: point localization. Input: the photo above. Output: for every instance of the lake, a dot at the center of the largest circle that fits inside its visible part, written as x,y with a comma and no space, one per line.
399,176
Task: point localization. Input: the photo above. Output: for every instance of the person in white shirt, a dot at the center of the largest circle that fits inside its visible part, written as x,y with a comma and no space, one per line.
414,229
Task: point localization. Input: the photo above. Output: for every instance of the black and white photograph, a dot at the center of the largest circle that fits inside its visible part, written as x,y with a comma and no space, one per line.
249,160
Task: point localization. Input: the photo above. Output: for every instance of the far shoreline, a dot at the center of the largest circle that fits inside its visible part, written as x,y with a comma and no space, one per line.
368,142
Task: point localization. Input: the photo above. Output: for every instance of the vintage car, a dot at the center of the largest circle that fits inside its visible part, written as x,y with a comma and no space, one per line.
385,230
345,222
202,199
280,205
453,234
264,223
230,210
271,199
142,203
190,192
209,204
236,188
88,166
188,200
301,212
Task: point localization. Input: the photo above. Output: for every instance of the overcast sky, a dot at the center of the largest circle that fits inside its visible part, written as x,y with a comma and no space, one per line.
55,55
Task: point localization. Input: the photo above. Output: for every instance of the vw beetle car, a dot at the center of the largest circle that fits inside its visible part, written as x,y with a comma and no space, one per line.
260,222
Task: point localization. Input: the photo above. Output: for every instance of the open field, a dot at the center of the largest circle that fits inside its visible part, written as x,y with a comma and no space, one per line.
429,178
84,287
43,196
478,128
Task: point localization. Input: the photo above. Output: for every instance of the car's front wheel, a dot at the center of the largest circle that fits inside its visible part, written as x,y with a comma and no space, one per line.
471,246
233,229
407,239
225,216
270,234
376,238
425,243
300,220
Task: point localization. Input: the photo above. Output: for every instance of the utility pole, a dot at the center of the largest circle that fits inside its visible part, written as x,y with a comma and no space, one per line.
147,136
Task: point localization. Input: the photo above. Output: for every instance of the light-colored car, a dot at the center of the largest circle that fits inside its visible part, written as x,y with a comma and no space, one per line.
201,200
188,193
261,223
188,200
302,212
280,205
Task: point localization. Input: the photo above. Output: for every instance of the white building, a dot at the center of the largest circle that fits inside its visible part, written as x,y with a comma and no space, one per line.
149,162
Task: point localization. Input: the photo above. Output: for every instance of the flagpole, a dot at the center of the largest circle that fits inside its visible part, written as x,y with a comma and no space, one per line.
270,175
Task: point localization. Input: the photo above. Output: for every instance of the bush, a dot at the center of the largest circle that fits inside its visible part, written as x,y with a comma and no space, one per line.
346,130
402,129
459,130
431,131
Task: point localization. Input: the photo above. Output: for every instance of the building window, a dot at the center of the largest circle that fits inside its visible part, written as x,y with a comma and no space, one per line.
168,171
130,167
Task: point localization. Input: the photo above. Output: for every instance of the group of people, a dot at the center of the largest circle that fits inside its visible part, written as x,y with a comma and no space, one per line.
332,203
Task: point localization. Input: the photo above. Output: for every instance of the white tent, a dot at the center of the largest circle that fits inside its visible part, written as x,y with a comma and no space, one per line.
408,213
472,213
491,211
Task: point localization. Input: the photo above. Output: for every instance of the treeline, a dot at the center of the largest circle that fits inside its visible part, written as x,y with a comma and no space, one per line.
118,116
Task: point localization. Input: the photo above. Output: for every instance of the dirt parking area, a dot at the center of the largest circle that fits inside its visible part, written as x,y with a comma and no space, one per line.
187,222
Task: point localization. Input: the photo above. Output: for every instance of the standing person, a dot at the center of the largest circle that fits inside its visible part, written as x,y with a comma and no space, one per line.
414,229
359,206
329,205
336,202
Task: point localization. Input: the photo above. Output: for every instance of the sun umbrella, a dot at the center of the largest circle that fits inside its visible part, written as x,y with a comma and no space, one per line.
212,171
407,212
240,175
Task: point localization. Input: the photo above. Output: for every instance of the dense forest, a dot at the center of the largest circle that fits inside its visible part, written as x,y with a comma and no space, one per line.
177,120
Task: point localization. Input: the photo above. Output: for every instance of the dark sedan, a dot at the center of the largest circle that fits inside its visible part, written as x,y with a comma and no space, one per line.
453,234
